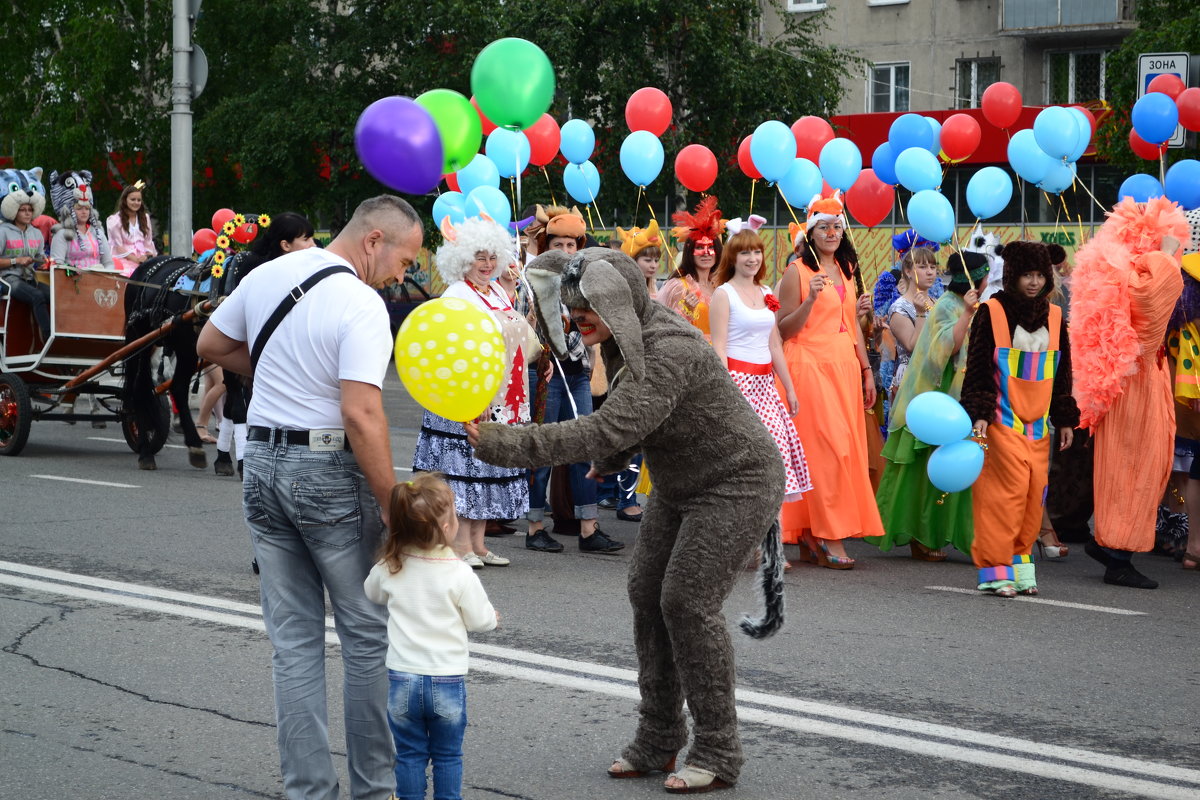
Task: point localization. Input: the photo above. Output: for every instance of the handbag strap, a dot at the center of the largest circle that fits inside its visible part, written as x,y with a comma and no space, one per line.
289,301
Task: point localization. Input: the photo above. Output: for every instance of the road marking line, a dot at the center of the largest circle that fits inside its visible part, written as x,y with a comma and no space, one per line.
1063,603
1046,762
83,480
122,441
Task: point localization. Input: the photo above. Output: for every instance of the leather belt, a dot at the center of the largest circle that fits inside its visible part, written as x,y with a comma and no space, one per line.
258,433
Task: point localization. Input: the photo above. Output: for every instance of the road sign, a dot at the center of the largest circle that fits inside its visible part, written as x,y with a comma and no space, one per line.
1150,66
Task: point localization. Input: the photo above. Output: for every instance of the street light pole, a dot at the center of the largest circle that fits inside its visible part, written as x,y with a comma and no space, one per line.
181,129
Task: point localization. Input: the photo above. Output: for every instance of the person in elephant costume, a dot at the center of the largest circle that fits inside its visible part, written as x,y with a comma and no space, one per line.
718,487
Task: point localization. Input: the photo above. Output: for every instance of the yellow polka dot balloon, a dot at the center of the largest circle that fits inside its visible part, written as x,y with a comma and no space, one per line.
450,357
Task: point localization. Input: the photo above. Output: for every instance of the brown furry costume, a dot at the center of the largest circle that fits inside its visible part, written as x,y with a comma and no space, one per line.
718,486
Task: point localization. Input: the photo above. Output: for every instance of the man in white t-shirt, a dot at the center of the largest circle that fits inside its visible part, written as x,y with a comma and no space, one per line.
318,473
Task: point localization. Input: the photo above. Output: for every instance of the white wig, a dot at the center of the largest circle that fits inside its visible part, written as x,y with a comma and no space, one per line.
455,257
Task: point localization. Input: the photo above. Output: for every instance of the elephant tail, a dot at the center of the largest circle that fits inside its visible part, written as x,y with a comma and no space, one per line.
770,581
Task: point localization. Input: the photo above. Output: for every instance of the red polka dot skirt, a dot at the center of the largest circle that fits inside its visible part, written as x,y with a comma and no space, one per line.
758,387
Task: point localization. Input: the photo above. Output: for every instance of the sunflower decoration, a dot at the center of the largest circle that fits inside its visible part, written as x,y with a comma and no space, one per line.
218,269
264,221
239,219
223,242
228,228
219,259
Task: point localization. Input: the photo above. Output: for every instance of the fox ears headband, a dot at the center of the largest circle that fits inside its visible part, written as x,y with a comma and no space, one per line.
635,240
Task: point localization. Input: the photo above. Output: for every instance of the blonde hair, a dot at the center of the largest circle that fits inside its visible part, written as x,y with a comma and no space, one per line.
416,511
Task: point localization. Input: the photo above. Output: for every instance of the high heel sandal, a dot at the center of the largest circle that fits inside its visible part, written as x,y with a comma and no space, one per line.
922,553
1052,550
1191,562
822,557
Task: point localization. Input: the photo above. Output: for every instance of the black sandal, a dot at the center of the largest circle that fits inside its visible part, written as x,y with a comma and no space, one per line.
621,515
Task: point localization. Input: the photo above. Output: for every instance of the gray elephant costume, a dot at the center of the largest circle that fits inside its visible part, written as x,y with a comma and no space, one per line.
718,486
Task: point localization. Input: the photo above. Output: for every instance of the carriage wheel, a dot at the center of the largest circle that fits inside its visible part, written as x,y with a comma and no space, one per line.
158,436
16,414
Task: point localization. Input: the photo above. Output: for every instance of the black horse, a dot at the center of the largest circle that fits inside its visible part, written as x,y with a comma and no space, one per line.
150,300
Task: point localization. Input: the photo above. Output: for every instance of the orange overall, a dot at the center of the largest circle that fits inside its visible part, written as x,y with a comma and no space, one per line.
1010,492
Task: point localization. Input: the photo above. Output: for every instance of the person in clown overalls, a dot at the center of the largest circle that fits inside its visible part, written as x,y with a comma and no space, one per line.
1018,383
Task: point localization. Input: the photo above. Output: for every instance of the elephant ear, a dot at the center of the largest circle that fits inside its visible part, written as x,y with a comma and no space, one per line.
543,275
608,292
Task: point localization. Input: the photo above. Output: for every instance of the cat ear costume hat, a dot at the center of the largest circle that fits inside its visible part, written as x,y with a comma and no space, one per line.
635,240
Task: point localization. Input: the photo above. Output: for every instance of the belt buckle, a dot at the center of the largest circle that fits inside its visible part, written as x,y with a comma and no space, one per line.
326,440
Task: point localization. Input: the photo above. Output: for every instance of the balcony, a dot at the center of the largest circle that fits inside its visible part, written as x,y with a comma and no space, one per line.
1066,18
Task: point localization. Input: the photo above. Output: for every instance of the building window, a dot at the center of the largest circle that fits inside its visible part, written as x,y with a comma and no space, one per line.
973,76
1075,76
889,87
886,2
806,5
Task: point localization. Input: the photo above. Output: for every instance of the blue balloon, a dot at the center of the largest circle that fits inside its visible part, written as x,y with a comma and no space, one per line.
1027,159
841,163
641,157
883,161
452,205
936,127
1085,134
910,130
801,183
1155,117
480,172
577,140
508,150
582,181
1059,178
773,149
1056,131
932,216
937,418
1141,187
955,466
989,192
1183,184
489,200
918,169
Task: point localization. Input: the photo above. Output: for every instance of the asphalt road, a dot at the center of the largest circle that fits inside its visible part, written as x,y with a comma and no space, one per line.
134,664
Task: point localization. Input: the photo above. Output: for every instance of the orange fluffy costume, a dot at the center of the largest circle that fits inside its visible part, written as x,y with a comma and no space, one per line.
1123,290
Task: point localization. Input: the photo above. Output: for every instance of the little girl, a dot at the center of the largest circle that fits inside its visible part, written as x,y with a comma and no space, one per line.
433,598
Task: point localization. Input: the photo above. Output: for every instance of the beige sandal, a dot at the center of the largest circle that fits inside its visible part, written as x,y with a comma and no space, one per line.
696,781
623,769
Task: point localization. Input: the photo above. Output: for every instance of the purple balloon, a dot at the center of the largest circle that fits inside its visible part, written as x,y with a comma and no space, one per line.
399,145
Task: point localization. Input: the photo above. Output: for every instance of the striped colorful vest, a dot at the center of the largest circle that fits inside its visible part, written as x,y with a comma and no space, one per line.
1026,378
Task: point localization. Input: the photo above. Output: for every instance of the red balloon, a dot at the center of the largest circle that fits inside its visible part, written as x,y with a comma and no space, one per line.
696,167
203,239
219,219
245,233
960,136
544,137
1141,148
1170,85
1091,119
1188,103
745,162
648,109
488,125
1001,104
870,200
812,133
452,181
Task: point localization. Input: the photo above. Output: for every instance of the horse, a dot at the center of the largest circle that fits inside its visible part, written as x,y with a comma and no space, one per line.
152,298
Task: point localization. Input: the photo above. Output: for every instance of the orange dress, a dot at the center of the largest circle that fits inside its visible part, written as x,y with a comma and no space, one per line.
828,380
1139,428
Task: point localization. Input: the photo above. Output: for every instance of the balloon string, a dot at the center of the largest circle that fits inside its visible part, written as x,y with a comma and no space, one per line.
551,185
598,215
958,247
591,222
517,159
1067,211
753,183
637,204
791,210
1162,163
662,236
1099,205
512,191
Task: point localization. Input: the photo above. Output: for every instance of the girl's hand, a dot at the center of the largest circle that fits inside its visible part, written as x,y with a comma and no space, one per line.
864,306
1065,437
793,403
979,429
817,283
868,389
472,433
971,298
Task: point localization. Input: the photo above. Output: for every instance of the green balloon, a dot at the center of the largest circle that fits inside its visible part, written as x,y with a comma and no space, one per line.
513,82
457,124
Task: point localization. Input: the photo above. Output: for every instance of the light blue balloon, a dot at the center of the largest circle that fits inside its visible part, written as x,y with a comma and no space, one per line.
452,205
582,181
910,130
1085,134
1056,131
936,127
937,418
1027,159
841,163
955,466
1059,178
773,149
883,161
492,201
932,216
1141,187
989,192
1155,117
1183,184
918,169
641,157
801,183
508,150
577,141
480,172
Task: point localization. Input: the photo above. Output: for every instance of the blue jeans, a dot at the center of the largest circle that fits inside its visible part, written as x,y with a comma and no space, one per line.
428,716
558,409
622,486
315,527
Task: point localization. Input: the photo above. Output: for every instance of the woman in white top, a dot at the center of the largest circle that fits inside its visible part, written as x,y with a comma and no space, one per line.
742,319
907,314
129,231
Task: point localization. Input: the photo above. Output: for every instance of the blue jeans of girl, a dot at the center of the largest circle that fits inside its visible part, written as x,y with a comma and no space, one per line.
428,716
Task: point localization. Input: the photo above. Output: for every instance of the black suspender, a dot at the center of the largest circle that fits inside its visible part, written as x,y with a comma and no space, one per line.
286,306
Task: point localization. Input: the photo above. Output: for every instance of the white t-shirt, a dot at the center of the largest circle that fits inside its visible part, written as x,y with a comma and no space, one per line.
339,331
432,602
749,329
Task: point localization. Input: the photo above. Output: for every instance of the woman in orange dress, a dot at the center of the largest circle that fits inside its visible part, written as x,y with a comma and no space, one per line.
827,357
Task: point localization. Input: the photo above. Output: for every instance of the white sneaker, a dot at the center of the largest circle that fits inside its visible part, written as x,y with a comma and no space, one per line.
473,561
493,560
